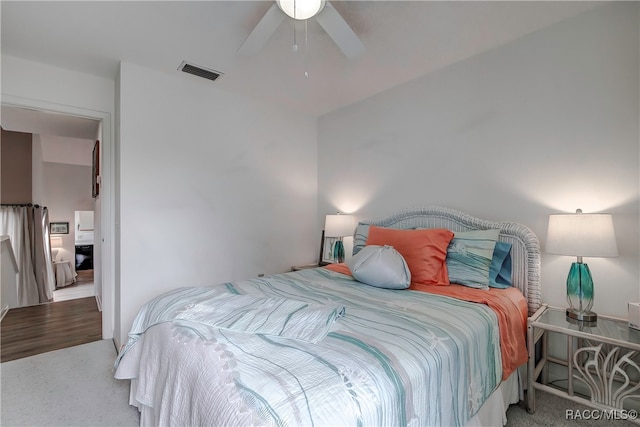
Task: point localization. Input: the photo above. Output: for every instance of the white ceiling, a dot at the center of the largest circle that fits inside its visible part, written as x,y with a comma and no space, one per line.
403,40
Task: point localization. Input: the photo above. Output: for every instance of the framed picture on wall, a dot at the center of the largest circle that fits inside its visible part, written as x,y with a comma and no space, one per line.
95,170
326,250
59,227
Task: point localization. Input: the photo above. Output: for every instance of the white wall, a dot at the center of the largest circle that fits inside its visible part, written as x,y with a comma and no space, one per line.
543,125
214,187
61,149
33,80
36,169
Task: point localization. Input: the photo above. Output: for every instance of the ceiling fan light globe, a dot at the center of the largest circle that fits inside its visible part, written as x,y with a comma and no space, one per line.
301,9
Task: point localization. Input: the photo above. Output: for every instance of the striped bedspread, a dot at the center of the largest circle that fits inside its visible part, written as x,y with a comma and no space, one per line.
396,357
207,309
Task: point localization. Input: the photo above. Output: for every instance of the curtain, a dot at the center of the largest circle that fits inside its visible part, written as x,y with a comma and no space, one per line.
28,229
14,223
41,253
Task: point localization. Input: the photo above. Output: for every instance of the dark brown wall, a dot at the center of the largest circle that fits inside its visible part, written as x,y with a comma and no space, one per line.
15,167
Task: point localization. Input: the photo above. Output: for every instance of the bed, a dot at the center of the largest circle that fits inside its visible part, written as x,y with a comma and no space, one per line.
318,347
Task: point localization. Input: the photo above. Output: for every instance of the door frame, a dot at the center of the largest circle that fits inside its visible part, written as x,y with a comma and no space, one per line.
107,196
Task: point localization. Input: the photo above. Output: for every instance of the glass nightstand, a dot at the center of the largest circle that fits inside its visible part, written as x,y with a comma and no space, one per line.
601,355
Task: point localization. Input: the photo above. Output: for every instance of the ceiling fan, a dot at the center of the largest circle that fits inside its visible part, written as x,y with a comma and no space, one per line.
323,12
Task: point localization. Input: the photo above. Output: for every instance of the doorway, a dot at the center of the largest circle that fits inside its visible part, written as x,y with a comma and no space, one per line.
104,231
83,284
59,152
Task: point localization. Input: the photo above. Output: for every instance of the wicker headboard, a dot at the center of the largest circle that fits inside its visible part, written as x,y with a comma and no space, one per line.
525,250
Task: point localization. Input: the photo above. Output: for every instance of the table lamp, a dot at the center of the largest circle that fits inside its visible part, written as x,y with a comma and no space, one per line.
339,226
56,241
581,235
56,247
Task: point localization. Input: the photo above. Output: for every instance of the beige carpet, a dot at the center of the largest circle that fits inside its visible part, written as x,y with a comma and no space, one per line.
552,411
69,387
75,387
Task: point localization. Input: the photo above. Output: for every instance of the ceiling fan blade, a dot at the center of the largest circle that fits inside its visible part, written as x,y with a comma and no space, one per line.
263,31
340,32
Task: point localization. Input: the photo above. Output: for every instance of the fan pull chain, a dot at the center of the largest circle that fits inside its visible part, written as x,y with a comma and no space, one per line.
306,62
295,43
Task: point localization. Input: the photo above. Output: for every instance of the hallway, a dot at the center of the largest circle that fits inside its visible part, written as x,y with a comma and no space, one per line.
83,287
27,331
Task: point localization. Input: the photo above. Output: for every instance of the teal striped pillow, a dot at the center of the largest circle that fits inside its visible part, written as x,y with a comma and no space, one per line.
469,257
360,237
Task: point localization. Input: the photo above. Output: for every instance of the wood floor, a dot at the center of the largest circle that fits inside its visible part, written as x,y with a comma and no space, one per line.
27,331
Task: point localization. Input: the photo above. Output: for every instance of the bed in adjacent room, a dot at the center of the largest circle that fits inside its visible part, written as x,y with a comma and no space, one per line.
318,347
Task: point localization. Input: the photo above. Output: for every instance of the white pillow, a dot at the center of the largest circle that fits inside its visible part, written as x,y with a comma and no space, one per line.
380,266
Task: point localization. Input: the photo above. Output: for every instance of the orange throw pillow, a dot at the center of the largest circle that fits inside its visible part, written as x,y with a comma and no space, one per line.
424,250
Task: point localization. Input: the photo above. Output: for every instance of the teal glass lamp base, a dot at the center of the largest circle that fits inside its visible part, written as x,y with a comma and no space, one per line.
338,251
580,293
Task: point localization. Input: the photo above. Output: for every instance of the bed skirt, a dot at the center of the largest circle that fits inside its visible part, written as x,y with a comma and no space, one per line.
494,410
492,413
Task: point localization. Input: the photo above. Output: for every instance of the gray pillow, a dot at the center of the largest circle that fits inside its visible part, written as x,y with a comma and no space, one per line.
380,266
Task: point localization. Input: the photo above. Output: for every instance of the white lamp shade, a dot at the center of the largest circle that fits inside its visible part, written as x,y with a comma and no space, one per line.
301,9
56,241
583,235
338,225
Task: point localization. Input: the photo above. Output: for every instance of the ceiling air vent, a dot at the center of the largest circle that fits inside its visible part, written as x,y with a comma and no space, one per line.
199,71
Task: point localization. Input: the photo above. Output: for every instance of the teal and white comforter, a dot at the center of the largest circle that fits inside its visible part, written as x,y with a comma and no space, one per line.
312,348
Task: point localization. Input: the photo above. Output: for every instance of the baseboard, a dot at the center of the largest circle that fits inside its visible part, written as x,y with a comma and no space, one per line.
115,345
99,302
5,310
